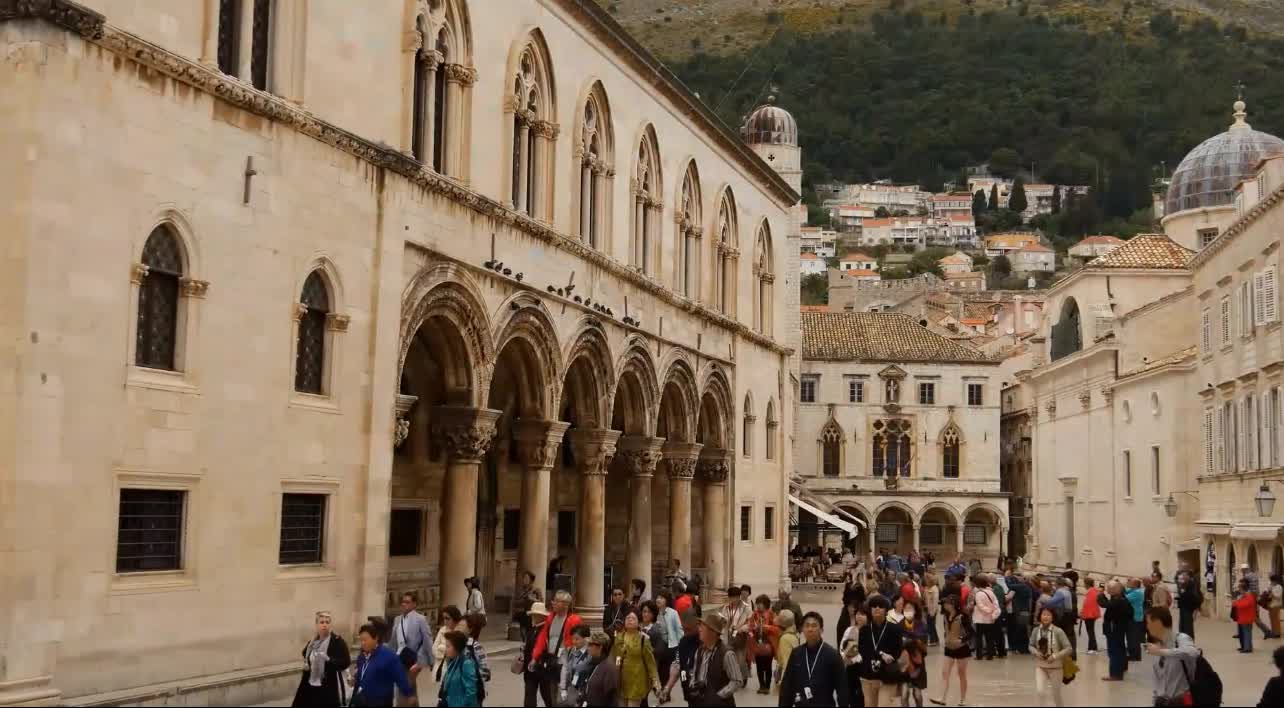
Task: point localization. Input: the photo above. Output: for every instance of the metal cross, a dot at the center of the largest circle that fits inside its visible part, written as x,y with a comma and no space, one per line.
1239,89
249,175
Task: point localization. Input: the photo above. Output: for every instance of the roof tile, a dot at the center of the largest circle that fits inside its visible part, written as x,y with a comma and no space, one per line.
1151,251
879,336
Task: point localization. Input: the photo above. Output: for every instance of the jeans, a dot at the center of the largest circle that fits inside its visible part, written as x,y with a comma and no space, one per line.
1135,632
1019,632
931,630
1117,653
1090,626
763,664
1245,637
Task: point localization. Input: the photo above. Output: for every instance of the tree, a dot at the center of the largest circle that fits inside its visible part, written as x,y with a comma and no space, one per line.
927,261
978,203
1016,200
882,213
814,289
994,198
817,215
1001,266
1005,162
1056,199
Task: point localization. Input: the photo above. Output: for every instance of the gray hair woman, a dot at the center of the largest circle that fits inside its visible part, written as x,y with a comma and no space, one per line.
324,659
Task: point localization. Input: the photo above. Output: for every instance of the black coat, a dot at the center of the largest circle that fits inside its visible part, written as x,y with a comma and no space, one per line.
332,692
1118,615
827,681
888,640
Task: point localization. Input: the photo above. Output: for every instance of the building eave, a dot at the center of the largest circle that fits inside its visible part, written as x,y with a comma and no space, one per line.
1257,212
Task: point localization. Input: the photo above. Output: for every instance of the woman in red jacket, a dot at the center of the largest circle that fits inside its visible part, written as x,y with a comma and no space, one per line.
1244,612
1090,613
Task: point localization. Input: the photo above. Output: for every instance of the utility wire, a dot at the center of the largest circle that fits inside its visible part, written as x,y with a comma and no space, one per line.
745,70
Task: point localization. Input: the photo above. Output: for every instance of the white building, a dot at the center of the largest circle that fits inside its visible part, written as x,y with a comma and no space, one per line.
893,198
952,204
811,264
1095,246
1033,258
820,241
859,265
899,427
849,218
957,262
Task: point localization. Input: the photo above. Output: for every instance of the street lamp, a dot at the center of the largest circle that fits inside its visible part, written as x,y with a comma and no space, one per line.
1170,506
1265,499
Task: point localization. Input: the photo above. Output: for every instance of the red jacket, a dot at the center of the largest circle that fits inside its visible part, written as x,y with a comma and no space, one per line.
1091,610
541,642
907,591
1245,608
682,603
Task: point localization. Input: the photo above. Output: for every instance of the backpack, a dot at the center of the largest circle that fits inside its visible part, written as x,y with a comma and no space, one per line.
1205,686
481,683
1264,600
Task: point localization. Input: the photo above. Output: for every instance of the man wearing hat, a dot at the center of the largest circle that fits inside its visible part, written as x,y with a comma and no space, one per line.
604,682
532,676
1255,586
717,673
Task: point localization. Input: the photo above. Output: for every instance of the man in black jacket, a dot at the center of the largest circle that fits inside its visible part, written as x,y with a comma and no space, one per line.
1117,620
1189,599
880,649
814,675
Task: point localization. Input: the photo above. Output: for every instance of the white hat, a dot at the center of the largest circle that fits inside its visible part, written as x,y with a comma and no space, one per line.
537,608
1244,567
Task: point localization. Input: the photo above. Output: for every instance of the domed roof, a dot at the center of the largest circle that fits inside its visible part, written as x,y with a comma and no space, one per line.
770,125
1209,174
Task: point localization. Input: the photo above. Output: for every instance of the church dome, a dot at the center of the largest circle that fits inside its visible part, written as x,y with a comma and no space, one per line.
770,124
1208,175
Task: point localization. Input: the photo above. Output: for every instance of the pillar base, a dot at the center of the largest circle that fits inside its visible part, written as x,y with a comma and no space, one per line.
37,691
591,615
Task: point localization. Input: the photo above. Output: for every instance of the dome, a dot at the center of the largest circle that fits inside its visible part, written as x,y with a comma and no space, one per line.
770,125
1208,175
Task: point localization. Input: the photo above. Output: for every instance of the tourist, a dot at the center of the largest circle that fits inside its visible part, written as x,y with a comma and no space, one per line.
450,616
683,666
848,619
633,655
324,659
460,682
717,674
958,568
737,617
576,668
1189,601
1136,597
1067,612
1273,693
1090,613
525,597
985,613
897,613
554,637
1176,653
763,635
379,673
1244,612
786,602
472,627
657,635
613,613
1051,647
669,618
1160,596
410,637
849,649
533,675
554,570
854,589
814,675
1019,620
932,606
640,594
880,646
1275,602
913,624
1070,574
956,630
1254,586
676,572
914,659
1117,623
907,588
603,688
475,604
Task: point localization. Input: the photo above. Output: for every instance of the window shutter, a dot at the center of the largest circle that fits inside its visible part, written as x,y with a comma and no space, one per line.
1257,300
1208,441
1226,315
1219,436
1270,299
1206,331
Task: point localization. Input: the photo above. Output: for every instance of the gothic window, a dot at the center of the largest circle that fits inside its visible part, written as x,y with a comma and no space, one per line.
158,301
771,430
314,308
725,251
831,442
950,444
747,431
646,203
1066,333
439,110
440,56
533,128
261,45
689,232
891,447
764,276
229,36
596,156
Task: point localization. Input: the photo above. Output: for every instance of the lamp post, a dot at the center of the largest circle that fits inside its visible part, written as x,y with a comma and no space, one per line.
1264,500
1170,505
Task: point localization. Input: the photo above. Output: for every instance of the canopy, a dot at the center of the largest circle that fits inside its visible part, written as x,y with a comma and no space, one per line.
832,519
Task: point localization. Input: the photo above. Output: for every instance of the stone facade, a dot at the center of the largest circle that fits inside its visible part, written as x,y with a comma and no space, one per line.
494,347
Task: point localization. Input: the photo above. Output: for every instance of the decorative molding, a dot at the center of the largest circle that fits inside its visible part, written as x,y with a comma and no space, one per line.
463,75
1085,398
191,287
68,15
465,433
538,441
714,470
546,129
336,322
594,449
1107,394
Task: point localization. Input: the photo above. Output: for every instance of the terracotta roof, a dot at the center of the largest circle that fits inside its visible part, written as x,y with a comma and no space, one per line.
808,256
1037,248
878,336
1152,251
955,257
856,256
974,320
1013,240
815,308
1100,241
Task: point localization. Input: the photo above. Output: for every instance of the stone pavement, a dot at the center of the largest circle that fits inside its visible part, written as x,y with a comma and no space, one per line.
1001,682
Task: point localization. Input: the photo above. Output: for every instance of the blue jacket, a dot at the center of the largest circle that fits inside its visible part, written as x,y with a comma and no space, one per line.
459,683
379,673
1136,598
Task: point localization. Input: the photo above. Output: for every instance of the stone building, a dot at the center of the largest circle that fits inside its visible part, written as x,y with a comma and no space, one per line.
305,308
899,427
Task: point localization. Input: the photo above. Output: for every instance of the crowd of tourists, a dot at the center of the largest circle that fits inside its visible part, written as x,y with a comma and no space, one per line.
900,615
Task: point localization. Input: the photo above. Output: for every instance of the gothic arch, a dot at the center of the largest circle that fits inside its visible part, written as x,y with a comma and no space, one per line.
747,423
330,273
772,430
531,130
764,273
526,345
689,203
716,421
724,253
637,391
589,383
439,50
902,506
447,293
447,19
949,443
832,442
647,187
594,167
1067,333
679,404
180,226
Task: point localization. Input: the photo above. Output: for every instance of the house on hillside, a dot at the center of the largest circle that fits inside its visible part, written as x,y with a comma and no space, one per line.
1094,247
957,262
810,264
1033,258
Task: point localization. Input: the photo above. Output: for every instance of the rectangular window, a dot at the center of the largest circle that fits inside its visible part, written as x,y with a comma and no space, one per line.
302,528
566,529
808,390
855,391
931,535
1270,297
769,523
1154,470
888,533
976,394
512,528
1206,331
405,532
974,535
149,533
746,522
1226,319
926,393
1274,408
1207,236
1127,472
1245,310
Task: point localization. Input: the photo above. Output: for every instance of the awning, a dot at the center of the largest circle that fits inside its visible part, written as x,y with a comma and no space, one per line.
839,523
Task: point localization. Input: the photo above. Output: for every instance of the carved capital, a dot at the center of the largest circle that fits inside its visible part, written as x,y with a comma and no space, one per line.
768,277
594,449
680,459
1107,394
714,470
640,454
401,428
1085,398
1051,408
538,441
465,433
413,41
696,231
192,287
336,322
512,103
460,74
527,117
545,129
299,311
138,272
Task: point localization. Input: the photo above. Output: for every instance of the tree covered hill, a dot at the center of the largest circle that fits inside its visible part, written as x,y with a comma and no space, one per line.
915,97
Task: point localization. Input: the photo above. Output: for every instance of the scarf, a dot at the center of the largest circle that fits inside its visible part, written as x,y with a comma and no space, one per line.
318,654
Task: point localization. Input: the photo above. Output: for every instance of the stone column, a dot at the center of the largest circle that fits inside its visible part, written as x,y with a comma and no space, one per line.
715,468
593,450
465,434
680,459
916,538
427,133
537,444
458,79
640,454
245,48
958,540
523,167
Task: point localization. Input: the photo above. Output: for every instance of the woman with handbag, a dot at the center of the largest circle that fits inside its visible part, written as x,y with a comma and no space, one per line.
532,675
1051,648
658,635
450,616
761,646
324,659
460,680
631,652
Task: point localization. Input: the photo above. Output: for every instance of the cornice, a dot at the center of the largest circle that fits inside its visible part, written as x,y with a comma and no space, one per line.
93,27
1237,228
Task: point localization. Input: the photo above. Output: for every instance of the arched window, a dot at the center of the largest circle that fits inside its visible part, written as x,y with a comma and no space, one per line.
747,428
687,242
725,254
596,152
1067,335
443,80
765,276
159,293
534,131
831,444
891,447
248,55
309,358
647,183
772,424
951,439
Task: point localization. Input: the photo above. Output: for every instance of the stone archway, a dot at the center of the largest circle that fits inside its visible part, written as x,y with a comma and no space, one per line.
676,423
631,488
984,533
714,431
894,529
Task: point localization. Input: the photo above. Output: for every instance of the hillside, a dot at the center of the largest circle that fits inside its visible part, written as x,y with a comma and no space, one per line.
675,29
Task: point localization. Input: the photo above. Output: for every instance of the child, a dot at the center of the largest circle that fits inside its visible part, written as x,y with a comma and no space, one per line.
1244,612
914,659
576,667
